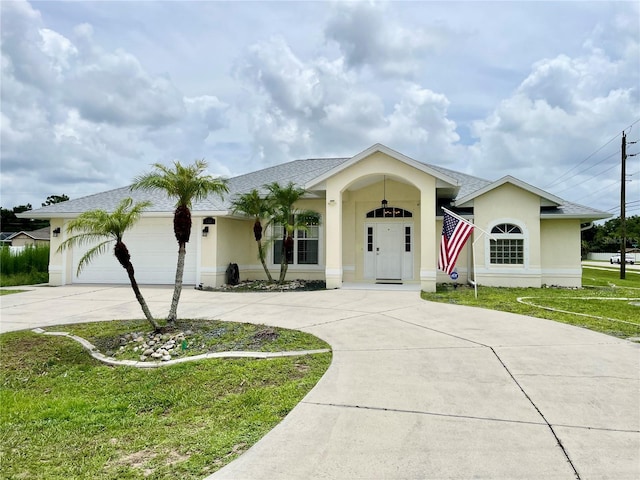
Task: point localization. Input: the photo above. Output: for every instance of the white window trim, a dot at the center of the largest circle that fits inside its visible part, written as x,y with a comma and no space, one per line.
524,236
295,266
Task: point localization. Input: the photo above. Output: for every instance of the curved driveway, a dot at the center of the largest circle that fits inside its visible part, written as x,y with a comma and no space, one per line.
416,389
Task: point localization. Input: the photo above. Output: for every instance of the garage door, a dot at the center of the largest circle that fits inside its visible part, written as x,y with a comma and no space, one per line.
154,254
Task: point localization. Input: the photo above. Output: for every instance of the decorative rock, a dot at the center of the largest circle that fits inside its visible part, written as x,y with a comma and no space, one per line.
166,358
147,352
156,355
143,358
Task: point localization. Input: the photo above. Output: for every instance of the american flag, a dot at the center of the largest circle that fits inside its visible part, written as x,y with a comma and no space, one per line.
455,233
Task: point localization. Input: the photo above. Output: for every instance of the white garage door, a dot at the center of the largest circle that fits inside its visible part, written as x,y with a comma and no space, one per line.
154,254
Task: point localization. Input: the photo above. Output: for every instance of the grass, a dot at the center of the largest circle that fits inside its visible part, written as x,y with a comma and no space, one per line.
65,415
601,286
9,292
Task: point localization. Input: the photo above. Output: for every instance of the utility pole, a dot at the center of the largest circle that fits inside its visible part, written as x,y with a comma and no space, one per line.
623,227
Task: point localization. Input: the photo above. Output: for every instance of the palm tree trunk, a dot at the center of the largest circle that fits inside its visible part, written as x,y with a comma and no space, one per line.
263,261
141,301
122,254
173,312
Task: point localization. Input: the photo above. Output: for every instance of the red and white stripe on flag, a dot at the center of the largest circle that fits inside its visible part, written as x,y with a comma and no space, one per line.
455,233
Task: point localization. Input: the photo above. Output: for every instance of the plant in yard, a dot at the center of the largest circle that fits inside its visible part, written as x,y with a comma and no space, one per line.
254,205
99,225
186,184
287,217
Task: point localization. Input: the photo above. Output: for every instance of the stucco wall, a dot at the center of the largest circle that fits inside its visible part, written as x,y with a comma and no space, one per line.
59,270
509,204
23,240
344,186
235,243
560,249
362,201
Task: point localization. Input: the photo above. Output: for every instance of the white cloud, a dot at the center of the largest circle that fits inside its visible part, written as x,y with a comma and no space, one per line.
368,35
92,94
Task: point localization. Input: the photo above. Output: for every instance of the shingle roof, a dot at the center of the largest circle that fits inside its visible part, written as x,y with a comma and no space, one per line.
300,172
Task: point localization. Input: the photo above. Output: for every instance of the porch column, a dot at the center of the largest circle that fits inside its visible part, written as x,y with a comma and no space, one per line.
428,253
333,238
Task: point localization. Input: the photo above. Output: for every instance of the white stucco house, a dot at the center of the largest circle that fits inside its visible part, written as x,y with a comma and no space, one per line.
381,221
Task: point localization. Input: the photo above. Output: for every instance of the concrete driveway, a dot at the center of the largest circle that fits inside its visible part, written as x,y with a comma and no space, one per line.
416,389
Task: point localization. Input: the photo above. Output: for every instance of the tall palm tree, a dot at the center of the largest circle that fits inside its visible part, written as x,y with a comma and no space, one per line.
256,206
186,184
282,200
95,225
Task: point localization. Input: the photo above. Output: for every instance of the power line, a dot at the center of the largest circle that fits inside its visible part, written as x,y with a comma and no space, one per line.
557,180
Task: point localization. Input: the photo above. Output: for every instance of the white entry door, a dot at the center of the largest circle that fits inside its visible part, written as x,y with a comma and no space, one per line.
389,246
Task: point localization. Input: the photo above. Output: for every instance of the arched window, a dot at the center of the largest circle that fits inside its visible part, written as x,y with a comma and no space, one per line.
508,248
389,212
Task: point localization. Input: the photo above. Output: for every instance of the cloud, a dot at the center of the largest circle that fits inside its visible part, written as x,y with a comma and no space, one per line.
300,108
368,35
563,111
77,118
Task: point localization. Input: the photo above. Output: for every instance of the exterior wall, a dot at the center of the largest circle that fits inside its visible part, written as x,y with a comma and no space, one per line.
235,243
342,255
560,250
23,240
359,203
464,265
59,271
509,204
305,272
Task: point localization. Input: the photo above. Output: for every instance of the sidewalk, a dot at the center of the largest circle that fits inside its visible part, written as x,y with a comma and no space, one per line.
416,389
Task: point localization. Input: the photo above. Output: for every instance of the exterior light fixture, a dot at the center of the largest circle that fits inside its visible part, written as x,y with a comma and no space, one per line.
205,231
56,232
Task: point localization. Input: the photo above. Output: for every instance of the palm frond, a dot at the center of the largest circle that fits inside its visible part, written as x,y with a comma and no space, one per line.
92,253
184,183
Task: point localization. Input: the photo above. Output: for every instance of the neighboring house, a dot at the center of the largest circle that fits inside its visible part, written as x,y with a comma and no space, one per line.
35,237
4,238
381,221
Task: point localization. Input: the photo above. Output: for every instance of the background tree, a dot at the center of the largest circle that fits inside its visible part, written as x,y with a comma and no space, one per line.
254,205
286,216
96,225
11,223
53,199
607,237
186,184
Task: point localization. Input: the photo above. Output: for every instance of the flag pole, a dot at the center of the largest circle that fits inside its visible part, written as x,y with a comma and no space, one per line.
473,244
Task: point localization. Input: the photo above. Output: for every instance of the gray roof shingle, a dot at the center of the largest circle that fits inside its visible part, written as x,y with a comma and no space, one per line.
300,172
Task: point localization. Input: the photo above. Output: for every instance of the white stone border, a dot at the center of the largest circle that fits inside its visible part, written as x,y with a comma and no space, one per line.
134,363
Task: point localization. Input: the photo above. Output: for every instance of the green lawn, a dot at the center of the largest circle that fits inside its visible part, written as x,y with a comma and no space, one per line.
65,415
604,295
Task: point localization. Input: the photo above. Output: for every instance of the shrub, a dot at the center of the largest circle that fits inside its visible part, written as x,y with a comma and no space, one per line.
24,267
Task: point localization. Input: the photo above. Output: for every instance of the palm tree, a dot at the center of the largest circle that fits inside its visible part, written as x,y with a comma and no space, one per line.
95,225
186,184
282,200
253,205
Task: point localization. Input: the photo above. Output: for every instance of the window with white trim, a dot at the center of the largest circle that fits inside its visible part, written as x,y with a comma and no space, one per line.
508,248
304,248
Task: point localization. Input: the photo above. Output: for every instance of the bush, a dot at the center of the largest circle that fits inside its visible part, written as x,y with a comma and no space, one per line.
26,267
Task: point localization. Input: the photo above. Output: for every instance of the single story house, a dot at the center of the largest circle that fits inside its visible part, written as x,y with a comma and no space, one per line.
34,237
380,221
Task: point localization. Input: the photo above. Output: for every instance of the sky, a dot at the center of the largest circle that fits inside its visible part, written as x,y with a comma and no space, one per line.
94,93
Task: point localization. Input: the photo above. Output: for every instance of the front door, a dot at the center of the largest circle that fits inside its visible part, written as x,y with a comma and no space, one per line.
389,246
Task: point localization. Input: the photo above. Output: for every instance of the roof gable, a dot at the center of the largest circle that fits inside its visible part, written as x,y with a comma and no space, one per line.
316,183
546,199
